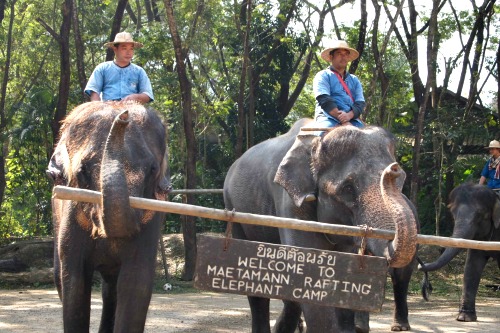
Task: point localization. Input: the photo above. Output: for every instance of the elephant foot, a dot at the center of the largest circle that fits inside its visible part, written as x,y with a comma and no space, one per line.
467,315
400,327
360,329
362,322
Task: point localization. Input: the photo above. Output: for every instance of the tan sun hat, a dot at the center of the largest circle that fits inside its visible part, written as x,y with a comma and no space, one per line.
339,44
493,144
123,37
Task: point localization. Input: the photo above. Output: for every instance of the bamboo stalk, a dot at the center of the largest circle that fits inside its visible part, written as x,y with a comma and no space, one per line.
69,193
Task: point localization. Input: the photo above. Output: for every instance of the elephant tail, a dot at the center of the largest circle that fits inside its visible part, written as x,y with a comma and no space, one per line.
425,285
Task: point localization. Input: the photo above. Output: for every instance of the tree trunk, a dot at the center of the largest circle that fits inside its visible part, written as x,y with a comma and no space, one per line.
149,10
498,80
384,119
79,52
242,119
432,48
287,105
410,48
65,68
132,15
361,37
188,224
116,26
3,92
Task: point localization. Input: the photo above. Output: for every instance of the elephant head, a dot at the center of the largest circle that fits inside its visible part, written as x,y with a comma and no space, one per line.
356,180
476,213
118,149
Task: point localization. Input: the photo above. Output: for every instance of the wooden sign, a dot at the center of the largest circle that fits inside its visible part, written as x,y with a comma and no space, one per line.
286,272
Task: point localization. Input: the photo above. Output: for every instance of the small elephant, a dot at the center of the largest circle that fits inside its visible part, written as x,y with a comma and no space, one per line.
476,213
349,176
118,149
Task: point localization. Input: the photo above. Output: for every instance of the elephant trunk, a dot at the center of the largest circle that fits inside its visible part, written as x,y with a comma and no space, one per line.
450,252
118,218
404,246
443,260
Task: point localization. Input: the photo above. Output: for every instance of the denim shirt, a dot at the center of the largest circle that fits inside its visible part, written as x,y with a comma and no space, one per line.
490,175
326,83
113,82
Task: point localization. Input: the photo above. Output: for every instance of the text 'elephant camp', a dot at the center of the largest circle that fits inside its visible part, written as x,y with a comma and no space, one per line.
286,272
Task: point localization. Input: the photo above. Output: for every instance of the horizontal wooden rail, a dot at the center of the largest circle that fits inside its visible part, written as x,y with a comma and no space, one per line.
197,191
69,193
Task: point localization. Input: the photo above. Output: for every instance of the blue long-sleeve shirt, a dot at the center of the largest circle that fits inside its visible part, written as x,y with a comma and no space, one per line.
493,182
330,93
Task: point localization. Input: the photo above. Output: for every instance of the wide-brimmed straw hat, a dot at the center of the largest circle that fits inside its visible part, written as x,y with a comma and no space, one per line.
123,37
493,144
339,44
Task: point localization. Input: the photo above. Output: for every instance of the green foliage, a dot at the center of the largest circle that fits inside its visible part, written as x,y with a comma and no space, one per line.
26,207
215,56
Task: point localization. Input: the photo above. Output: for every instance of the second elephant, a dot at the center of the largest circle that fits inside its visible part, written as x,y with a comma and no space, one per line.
476,213
353,178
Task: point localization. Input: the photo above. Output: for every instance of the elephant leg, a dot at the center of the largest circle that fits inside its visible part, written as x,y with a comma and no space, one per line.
328,319
76,292
400,282
259,308
135,286
57,273
289,319
474,265
362,321
109,301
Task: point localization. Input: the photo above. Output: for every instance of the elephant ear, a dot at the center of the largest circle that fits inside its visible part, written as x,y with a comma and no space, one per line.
496,214
294,172
164,186
58,161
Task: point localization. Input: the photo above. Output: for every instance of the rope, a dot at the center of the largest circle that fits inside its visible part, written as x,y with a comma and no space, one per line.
229,228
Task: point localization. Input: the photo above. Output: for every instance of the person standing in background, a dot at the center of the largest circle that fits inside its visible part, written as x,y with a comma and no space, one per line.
490,175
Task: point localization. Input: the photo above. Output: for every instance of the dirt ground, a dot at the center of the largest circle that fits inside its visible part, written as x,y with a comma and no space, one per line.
39,310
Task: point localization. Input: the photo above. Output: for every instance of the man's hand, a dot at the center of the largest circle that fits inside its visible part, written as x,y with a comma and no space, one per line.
141,98
95,97
335,113
345,117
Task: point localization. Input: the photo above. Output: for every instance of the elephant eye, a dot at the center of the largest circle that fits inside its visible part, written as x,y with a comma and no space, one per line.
155,168
348,194
84,176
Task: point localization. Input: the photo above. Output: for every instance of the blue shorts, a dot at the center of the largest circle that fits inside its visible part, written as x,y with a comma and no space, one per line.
324,121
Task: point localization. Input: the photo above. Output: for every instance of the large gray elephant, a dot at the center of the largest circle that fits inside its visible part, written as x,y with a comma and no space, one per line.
349,176
476,213
119,149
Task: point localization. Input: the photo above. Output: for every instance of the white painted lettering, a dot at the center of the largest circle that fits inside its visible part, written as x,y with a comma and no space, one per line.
328,272
211,270
365,290
307,282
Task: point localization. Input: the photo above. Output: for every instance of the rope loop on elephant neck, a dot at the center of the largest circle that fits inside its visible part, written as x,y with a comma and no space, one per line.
229,228
362,247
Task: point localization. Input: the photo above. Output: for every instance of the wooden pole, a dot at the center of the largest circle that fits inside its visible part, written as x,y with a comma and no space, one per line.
69,193
197,191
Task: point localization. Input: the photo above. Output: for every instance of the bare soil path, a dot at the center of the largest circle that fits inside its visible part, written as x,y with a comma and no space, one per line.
39,310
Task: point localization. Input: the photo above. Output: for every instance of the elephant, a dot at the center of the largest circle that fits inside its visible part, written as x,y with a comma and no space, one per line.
476,213
347,176
119,149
